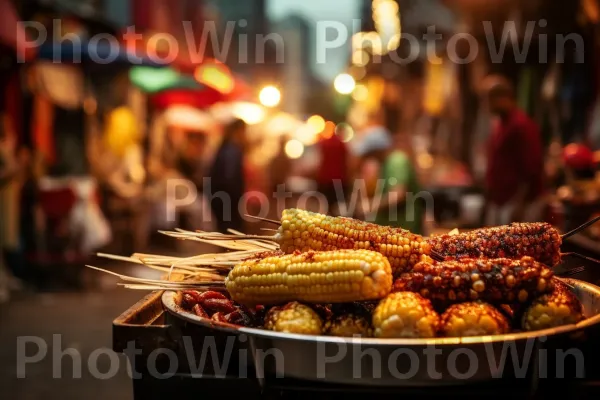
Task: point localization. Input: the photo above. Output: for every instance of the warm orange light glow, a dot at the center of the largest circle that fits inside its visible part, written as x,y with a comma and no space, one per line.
316,124
270,96
329,130
294,149
344,84
215,76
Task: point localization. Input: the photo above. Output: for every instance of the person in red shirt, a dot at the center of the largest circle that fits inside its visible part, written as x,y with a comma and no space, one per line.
515,166
332,174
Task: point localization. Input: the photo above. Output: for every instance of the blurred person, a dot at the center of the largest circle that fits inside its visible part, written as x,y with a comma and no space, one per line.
191,162
332,173
228,177
280,167
9,223
398,182
515,163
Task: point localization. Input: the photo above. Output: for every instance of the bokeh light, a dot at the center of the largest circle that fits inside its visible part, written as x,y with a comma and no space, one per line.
306,135
250,113
361,93
329,130
425,161
360,58
294,149
344,84
316,123
345,132
270,96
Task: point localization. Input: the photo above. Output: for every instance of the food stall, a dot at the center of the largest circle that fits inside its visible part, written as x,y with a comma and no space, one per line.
256,321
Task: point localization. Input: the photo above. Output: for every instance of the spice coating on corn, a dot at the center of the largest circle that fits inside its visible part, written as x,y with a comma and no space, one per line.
349,325
304,231
294,318
495,281
405,315
561,307
473,319
538,240
314,277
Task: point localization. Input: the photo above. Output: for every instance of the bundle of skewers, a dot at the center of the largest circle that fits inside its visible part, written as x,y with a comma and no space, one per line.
324,275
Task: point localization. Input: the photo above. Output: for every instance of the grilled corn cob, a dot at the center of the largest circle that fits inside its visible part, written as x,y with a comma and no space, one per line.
473,319
496,281
560,307
313,277
405,315
349,325
304,231
294,318
541,241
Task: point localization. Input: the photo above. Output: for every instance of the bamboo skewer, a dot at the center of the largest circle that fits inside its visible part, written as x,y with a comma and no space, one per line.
172,288
209,277
271,221
580,228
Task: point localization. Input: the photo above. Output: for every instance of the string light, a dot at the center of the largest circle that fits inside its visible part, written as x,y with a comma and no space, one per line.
388,25
386,15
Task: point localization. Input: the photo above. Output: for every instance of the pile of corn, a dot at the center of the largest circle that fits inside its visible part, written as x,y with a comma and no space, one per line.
327,261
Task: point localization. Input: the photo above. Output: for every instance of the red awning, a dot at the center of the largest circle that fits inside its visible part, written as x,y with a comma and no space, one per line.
203,98
184,97
12,33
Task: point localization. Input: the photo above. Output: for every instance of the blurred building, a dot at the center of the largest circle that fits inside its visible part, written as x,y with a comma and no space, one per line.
254,12
295,72
304,92
248,54
366,16
118,11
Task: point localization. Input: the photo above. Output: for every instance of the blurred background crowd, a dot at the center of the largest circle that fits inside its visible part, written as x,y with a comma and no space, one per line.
87,149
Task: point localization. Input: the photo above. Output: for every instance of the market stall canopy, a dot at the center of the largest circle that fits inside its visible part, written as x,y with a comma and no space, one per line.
154,80
201,99
251,113
218,76
190,118
100,53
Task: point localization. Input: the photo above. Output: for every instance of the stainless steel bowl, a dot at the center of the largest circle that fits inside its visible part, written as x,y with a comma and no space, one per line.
416,362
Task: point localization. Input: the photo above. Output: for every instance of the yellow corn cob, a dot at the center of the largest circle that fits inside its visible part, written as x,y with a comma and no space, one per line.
313,277
294,318
473,319
558,308
405,315
304,231
348,326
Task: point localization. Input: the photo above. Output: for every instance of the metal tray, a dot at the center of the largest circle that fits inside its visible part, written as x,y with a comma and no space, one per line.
551,353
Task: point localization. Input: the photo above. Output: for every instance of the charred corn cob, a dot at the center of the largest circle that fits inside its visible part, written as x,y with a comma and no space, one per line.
405,315
348,325
495,280
304,231
560,307
294,318
541,241
313,277
473,319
